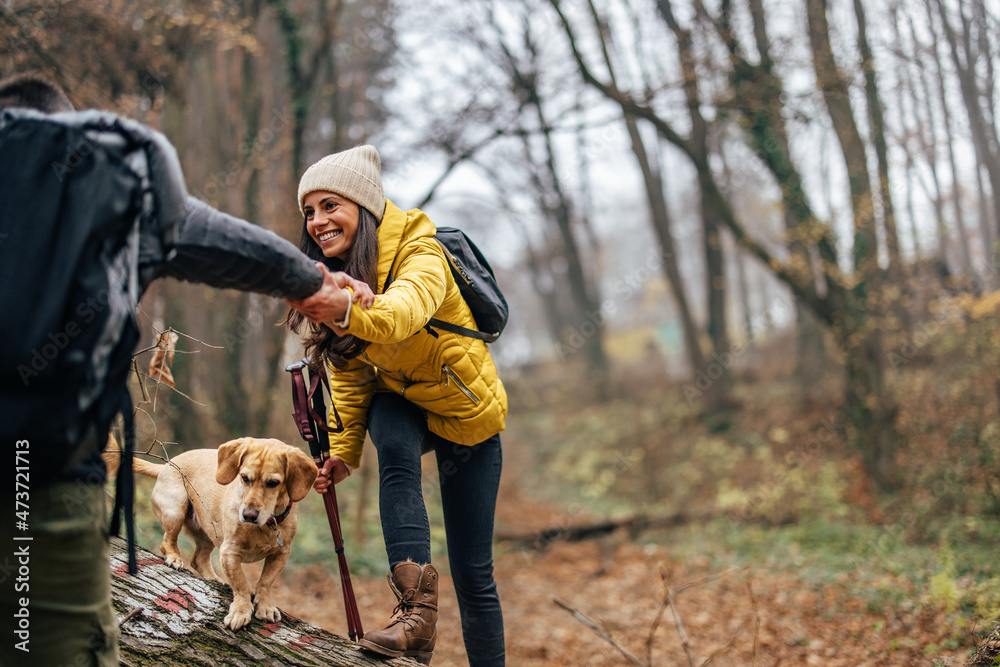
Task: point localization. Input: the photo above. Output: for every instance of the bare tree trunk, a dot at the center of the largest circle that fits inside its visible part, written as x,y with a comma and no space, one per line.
758,91
904,143
719,397
741,277
871,411
304,64
956,189
810,346
984,137
660,215
991,253
740,262
911,211
927,134
846,313
876,116
261,349
949,139
586,205
171,618
587,305
590,321
541,277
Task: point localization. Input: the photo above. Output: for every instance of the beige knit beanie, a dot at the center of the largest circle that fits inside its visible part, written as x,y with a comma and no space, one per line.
354,173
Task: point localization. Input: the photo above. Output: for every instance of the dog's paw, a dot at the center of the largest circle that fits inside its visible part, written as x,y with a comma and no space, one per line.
240,614
174,561
268,613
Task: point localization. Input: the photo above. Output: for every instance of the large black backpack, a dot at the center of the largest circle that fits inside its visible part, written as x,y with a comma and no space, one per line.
476,282
75,194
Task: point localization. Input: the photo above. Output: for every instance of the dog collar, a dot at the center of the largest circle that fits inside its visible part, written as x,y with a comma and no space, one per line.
275,520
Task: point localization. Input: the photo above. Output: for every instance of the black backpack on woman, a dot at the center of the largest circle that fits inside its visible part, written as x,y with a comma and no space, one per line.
477,284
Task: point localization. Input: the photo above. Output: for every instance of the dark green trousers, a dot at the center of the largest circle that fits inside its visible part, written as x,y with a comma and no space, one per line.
55,588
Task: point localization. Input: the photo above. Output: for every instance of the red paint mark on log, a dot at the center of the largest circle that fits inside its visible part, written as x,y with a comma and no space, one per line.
174,601
181,595
122,569
304,640
270,628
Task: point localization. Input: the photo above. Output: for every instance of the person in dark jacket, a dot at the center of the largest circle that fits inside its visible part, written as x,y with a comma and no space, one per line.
92,209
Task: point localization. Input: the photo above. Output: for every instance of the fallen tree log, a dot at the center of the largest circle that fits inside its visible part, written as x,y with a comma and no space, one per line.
634,524
171,618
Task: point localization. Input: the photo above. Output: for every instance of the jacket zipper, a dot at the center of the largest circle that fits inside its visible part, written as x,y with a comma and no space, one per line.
364,355
386,371
450,375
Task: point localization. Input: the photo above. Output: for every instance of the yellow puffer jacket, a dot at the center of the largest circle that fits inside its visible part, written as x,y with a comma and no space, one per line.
453,378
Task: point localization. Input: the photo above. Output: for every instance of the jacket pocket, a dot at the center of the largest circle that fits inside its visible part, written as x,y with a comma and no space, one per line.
449,376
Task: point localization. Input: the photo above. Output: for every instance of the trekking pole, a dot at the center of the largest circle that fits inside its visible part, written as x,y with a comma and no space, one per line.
311,422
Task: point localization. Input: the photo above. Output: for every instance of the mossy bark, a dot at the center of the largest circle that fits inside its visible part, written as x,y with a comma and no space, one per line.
171,618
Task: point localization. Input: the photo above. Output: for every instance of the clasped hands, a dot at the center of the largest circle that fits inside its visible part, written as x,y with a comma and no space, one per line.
332,300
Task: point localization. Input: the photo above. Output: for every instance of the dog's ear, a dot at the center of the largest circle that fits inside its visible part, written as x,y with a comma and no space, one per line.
300,473
230,459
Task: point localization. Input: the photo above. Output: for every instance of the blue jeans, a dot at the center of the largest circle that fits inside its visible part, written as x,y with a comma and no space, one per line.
469,478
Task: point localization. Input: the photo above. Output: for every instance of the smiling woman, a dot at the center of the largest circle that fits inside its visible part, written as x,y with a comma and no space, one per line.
414,389
332,222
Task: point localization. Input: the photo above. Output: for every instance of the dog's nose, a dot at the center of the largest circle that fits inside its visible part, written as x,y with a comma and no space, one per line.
250,516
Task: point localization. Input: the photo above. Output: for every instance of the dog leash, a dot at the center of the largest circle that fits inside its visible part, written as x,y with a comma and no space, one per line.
309,410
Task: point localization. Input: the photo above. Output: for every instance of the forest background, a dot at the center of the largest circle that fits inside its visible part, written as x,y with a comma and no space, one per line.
751,254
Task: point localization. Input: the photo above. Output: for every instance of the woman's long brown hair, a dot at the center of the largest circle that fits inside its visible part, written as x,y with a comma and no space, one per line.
321,343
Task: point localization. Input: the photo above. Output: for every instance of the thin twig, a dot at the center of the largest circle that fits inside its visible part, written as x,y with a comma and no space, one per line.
156,395
181,333
756,632
175,389
138,375
656,624
135,611
677,617
599,631
710,578
720,651
163,446
145,349
152,421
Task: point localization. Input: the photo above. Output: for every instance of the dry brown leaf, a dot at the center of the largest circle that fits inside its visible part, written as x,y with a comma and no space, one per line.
159,365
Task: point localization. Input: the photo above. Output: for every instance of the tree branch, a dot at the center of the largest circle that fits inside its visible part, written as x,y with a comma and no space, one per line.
821,306
599,631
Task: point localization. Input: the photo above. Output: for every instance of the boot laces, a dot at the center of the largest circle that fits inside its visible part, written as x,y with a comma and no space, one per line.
405,611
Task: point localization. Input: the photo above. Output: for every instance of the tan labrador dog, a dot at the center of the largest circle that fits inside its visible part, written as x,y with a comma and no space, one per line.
240,499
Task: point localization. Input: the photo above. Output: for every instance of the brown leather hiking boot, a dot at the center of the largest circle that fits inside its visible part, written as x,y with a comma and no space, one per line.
413,630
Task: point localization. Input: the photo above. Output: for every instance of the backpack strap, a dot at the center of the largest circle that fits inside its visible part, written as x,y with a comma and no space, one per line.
462,331
441,324
125,484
